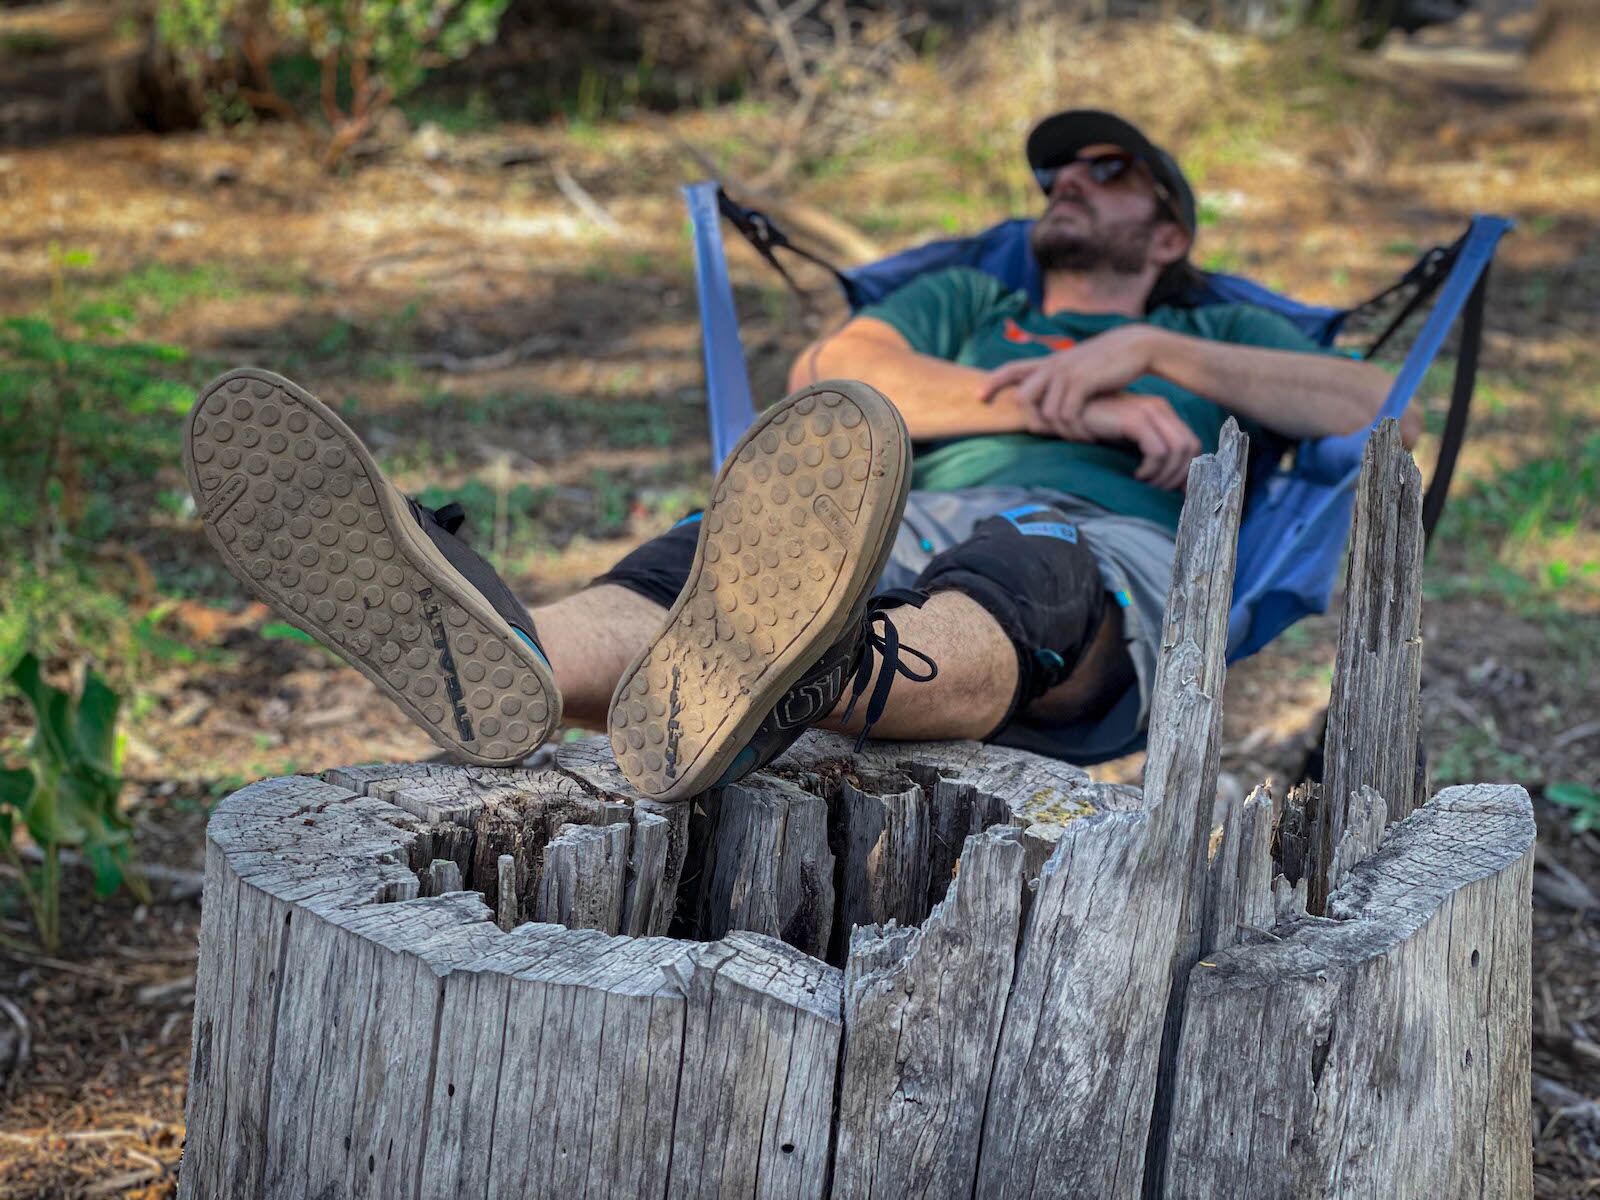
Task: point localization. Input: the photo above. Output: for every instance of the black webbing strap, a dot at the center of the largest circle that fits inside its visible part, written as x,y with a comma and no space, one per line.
1426,275
1455,423
758,229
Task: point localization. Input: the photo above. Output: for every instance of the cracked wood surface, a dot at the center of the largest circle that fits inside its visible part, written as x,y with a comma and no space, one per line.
1383,1050
351,1043
1374,712
922,1012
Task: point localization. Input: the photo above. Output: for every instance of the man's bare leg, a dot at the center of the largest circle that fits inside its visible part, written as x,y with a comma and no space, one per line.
594,635
591,638
978,675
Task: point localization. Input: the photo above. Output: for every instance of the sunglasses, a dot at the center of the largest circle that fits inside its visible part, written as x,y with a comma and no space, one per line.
1105,169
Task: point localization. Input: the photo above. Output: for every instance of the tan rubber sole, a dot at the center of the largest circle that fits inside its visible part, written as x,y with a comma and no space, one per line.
302,515
802,520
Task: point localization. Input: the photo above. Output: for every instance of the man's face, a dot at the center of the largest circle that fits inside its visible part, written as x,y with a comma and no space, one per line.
1089,226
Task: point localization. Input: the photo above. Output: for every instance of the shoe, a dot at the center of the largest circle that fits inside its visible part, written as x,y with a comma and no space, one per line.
778,613
302,515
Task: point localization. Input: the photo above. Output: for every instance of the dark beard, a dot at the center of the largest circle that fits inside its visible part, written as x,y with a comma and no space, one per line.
1119,250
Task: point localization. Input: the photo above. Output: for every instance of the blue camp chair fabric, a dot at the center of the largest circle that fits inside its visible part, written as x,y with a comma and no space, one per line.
1297,516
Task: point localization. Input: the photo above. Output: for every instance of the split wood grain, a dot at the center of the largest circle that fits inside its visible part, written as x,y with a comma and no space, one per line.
885,821
1024,1009
1399,1025
584,878
349,1045
765,865
1117,914
922,1013
589,763
646,908
1374,712
507,908
443,876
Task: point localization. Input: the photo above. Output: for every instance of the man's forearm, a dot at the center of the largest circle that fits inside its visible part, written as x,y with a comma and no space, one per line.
1300,395
938,399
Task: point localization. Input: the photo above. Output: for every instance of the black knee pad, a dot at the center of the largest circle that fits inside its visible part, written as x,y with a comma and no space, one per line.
1032,570
658,569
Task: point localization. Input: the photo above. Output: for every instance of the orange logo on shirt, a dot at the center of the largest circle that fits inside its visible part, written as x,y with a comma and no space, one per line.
1016,333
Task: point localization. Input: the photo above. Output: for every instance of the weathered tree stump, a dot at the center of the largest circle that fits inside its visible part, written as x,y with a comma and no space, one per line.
931,970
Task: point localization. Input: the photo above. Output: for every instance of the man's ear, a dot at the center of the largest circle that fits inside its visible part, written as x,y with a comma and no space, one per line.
1170,243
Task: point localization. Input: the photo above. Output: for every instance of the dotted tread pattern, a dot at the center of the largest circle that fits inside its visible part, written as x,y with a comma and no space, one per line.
291,499
801,521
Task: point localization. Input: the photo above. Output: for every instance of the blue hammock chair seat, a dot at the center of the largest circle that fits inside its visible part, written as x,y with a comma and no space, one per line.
1298,506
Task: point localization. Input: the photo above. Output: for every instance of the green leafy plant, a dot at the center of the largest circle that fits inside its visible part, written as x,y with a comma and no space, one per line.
1584,801
79,416
66,795
367,53
282,631
83,413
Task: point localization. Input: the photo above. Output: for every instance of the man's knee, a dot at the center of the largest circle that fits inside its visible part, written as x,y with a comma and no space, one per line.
1101,676
1032,570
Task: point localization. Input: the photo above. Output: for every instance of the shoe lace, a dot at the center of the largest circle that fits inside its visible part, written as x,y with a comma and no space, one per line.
883,641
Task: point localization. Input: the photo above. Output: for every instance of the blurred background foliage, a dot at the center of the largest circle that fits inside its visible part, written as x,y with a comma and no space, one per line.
338,64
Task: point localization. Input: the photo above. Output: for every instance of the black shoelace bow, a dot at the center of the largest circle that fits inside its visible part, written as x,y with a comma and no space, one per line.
883,639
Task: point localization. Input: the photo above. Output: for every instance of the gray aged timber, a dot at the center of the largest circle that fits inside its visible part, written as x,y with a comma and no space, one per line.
1374,712
584,878
423,981
1114,925
922,1010
1384,1052
351,1044
766,864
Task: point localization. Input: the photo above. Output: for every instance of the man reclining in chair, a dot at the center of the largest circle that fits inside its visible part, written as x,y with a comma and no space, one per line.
1024,551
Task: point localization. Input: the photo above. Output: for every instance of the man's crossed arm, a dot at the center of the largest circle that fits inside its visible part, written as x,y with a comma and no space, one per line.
1080,394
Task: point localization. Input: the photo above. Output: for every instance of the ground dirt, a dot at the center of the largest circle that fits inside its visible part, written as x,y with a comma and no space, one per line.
436,249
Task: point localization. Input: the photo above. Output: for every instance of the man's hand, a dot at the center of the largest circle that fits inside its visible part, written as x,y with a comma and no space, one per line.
1052,392
1167,444
1411,426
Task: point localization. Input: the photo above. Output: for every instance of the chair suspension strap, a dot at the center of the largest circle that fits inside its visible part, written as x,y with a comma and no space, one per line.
1455,424
1426,275
758,229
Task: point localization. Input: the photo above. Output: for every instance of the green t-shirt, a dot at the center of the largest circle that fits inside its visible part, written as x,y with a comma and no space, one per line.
966,316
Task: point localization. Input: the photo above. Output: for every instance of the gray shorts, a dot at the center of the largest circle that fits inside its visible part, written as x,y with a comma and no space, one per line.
1135,558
